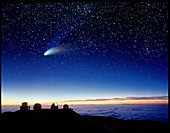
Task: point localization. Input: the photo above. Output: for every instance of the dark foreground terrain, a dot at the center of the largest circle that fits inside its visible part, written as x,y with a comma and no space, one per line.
68,121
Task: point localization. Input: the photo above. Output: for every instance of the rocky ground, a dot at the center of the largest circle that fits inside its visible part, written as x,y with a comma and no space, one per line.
68,121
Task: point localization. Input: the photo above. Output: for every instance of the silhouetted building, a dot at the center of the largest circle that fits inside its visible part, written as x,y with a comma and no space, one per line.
24,106
54,106
65,106
37,106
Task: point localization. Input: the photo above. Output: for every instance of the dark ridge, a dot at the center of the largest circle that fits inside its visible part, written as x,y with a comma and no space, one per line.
68,121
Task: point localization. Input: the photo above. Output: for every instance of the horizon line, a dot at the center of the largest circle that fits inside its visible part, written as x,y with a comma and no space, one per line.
126,100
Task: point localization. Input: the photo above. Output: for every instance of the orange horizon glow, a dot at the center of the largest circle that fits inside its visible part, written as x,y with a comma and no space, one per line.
115,102
81,102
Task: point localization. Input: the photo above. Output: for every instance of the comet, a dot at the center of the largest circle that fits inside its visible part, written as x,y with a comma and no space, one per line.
58,50
53,51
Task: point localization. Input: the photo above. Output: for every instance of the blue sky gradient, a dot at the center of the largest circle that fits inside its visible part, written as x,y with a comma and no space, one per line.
115,50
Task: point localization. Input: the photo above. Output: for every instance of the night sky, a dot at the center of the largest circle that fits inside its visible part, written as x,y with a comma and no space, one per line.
100,50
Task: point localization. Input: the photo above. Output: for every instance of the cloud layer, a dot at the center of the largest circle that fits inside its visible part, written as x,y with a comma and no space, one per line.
122,99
